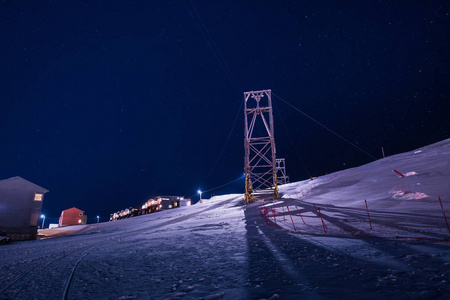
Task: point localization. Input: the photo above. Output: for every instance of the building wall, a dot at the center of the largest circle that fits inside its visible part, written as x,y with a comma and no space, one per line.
170,201
185,202
72,216
19,211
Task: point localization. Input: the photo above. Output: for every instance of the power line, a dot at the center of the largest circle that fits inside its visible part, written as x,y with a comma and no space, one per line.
217,54
220,186
292,143
225,184
222,64
226,143
317,122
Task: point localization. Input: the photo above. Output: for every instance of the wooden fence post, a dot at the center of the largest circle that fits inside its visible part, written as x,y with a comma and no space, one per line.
291,218
323,223
367,208
443,212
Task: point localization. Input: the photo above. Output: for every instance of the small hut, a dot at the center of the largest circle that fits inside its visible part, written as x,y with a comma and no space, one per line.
20,208
72,216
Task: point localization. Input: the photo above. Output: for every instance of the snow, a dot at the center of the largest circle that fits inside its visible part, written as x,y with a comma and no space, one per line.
221,249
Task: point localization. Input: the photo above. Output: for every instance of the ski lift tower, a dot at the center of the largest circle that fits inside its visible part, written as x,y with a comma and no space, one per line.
281,169
259,144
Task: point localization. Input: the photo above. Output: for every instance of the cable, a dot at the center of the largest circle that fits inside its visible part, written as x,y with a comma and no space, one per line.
218,187
225,184
292,143
317,122
226,143
204,31
222,64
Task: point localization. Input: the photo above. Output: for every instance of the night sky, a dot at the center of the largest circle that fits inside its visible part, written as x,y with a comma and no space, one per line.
109,103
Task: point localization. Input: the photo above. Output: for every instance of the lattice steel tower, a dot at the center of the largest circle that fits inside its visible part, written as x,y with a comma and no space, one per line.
259,144
282,178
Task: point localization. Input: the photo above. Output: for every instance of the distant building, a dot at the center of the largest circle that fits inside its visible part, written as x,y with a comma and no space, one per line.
72,216
53,225
20,208
170,201
185,202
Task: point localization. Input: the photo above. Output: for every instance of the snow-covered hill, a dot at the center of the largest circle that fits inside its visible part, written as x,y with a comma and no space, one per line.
398,206
221,249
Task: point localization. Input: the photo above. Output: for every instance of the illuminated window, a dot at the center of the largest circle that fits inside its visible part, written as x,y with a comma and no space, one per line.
79,221
38,197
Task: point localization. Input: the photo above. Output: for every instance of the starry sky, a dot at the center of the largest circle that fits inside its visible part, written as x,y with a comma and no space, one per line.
109,103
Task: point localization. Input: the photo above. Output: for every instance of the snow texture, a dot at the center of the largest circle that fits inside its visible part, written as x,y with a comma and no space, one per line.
221,249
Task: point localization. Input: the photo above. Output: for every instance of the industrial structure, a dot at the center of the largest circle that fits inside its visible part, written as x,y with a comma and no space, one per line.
259,145
72,216
20,208
282,178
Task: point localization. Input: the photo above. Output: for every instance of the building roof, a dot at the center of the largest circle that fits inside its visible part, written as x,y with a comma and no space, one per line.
17,180
74,208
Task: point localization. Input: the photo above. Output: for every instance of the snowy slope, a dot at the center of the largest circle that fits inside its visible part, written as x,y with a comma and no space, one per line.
399,206
221,249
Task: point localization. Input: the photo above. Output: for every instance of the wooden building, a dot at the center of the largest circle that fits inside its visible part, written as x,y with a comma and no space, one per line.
20,208
170,201
72,216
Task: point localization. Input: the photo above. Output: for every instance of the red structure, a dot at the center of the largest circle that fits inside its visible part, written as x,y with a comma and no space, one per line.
72,216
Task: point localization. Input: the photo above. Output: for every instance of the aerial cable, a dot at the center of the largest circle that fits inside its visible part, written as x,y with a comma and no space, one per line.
226,143
317,122
220,186
222,64
225,184
205,33
292,143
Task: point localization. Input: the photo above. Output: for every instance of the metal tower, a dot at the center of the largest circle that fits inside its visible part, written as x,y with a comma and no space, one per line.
281,171
259,144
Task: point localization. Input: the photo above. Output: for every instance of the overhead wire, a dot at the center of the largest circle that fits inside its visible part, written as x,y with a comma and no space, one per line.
292,142
209,40
225,184
222,64
226,143
220,186
317,122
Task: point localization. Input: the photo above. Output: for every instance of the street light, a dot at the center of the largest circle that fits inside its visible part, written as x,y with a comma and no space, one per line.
200,192
43,221
98,218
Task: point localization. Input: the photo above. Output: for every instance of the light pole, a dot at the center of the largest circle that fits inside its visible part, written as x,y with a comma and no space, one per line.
98,218
200,192
43,221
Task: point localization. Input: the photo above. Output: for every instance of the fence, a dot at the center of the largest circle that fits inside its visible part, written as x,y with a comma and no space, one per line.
419,217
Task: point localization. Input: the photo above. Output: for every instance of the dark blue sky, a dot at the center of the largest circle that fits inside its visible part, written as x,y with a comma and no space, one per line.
109,103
